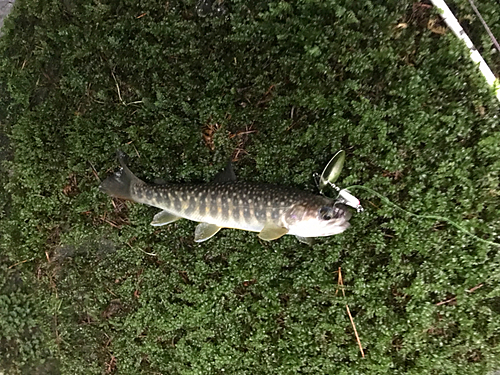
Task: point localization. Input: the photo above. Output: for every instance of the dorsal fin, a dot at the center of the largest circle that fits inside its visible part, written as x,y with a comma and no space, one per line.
227,174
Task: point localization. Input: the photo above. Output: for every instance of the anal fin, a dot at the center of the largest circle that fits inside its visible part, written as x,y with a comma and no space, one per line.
272,232
163,218
204,231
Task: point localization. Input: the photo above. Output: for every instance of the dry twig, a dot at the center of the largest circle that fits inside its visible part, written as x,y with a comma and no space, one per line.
21,262
341,284
454,299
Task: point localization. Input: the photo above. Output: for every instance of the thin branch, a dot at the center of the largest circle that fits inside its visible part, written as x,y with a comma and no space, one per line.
120,94
117,88
446,301
492,37
453,299
355,332
471,290
340,283
21,262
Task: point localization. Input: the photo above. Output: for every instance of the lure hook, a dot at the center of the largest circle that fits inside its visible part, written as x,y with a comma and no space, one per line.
328,177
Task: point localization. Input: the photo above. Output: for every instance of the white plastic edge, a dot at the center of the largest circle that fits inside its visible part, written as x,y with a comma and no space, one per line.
454,25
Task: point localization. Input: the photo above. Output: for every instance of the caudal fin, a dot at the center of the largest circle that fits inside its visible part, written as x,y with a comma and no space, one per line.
120,183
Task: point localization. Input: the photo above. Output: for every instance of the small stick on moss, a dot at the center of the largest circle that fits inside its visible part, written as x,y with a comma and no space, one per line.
137,152
111,223
118,88
94,172
341,284
145,252
355,332
21,262
338,283
454,299
471,290
110,291
120,95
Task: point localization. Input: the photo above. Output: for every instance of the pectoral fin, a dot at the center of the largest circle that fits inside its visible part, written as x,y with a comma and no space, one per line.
204,231
163,218
272,231
307,240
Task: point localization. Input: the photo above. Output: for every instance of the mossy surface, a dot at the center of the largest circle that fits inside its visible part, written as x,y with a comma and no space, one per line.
89,287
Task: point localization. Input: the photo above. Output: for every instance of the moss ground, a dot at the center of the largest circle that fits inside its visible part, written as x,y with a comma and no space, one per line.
89,287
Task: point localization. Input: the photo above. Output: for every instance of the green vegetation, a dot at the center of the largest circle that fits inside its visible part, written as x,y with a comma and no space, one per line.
89,287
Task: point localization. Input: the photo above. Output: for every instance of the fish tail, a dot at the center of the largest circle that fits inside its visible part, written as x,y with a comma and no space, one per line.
120,184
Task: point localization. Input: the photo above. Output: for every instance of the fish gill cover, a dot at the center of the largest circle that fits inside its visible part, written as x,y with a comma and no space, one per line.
89,287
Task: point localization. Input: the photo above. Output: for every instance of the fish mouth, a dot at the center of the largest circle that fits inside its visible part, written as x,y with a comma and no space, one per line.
337,227
343,212
341,221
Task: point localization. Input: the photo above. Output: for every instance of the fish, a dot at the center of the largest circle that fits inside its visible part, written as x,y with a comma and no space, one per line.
271,210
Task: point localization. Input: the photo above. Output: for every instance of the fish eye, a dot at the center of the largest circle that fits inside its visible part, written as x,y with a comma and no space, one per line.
326,213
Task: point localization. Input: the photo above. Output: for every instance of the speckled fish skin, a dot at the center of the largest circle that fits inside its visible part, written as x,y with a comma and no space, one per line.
234,204
230,204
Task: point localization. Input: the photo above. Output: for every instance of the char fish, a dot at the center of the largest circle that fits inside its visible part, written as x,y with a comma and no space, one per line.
271,210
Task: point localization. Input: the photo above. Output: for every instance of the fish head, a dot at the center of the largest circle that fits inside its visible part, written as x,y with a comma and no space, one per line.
321,218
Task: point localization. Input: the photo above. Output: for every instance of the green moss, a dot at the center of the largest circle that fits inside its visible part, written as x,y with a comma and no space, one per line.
103,291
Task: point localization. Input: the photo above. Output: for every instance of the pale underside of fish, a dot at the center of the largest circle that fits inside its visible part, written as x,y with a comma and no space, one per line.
271,210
